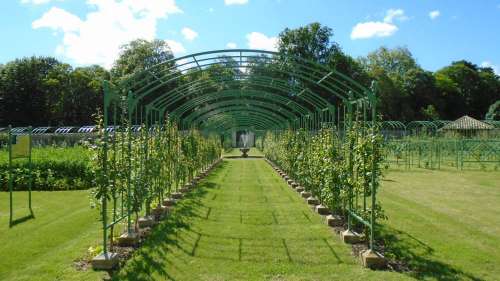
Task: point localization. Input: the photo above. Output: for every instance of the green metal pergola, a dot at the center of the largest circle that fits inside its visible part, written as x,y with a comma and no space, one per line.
227,90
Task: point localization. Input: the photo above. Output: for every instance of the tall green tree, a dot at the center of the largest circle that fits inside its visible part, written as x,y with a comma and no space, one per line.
311,42
139,55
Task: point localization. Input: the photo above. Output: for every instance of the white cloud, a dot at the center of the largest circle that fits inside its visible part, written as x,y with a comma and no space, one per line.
176,47
371,29
189,34
58,19
257,40
231,45
112,23
385,28
495,68
211,10
235,2
36,2
395,14
434,14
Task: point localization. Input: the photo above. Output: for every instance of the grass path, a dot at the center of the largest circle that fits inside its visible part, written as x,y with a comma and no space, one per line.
244,223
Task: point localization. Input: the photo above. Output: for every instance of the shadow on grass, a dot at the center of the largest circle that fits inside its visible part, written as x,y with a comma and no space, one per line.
15,222
241,157
151,258
402,246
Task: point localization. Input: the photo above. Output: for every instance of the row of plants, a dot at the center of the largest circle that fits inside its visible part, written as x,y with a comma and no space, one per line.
135,172
337,168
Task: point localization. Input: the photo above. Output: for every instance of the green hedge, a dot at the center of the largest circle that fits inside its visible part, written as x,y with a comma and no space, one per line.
52,169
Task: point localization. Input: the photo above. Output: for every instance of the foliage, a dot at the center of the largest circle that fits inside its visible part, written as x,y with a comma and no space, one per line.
333,169
52,169
141,168
41,91
139,55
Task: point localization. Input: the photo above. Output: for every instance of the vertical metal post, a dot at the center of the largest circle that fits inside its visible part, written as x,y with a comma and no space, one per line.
10,175
30,169
374,117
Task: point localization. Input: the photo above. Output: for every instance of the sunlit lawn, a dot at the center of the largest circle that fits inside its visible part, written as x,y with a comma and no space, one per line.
246,224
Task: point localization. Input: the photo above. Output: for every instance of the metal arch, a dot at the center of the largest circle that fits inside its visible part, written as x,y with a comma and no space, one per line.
254,122
249,119
238,119
238,103
236,99
197,86
183,84
243,109
263,96
228,124
316,76
440,123
424,124
326,76
394,125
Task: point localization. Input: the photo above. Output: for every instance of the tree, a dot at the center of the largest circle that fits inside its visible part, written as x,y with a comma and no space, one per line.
466,89
493,112
140,55
311,42
25,90
85,96
401,82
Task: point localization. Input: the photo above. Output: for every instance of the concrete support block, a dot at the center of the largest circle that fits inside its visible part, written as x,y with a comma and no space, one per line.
299,189
128,239
305,194
372,259
146,222
322,210
169,202
351,237
176,195
105,261
312,201
334,221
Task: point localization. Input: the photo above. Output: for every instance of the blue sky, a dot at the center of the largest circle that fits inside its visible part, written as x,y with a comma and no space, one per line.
89,32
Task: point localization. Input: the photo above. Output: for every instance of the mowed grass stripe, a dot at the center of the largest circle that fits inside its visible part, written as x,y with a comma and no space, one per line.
245,223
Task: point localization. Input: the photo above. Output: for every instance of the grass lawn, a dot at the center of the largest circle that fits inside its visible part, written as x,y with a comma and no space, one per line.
245,224
45,247
445,223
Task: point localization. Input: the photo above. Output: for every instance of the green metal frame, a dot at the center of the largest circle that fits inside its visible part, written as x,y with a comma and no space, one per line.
266,91
11,176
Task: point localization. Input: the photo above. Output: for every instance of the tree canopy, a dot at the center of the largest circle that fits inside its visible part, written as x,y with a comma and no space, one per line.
44,91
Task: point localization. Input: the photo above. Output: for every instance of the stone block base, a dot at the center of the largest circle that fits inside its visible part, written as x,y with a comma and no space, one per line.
128,239
305,194
322,210
146,222
350,237
299,189
169,202
334,221
372,259
312,201
294,185
105,261
176,195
